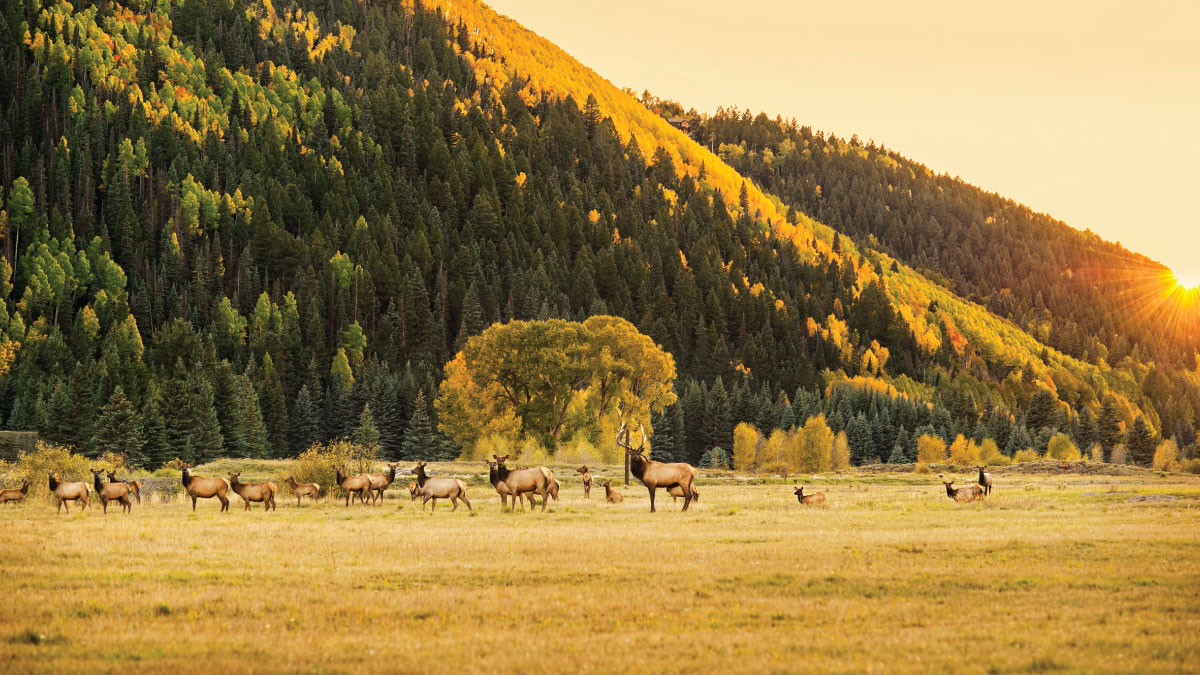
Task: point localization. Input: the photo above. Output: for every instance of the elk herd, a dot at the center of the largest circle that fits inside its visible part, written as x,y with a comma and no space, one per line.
514,485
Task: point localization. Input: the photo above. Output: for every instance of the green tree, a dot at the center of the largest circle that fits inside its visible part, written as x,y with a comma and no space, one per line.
1141,442
118,429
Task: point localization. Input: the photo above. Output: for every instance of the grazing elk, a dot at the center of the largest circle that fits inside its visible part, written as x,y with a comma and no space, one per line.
112,492
985,480
135,486
381,482
304,489
587,481
254,492
439,488
970,493
354,486
199,487
523,481
809,500
69,492
610,495
15,494
656,475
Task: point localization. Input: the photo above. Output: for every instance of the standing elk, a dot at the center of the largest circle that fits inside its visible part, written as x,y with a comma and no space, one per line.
809,500
654,474
522,481
254,492
985,480
135,486
304,489
15,494
587,481
69,492
354,486
199,487
413,489
970,493
610,495
439,488
112,491
381,482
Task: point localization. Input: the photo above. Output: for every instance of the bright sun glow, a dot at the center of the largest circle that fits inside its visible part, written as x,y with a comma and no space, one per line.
1189,280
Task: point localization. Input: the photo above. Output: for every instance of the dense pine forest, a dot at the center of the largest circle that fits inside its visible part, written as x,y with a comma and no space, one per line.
238,228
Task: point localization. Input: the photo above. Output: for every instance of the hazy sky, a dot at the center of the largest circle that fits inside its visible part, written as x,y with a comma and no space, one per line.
1088,111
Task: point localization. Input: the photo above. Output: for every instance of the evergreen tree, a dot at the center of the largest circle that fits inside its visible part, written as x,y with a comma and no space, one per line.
305,426
119,430
1109,426
419,440
1141,442
366,433
862,446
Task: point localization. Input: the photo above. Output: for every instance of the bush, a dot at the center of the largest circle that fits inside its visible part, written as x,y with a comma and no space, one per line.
1026,455
1166,456
46,457
1119,455
714,458
1190,465
319,463
922,467
931,450
1061,447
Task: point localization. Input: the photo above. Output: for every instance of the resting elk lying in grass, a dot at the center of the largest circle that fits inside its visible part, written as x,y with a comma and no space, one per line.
112,492
68,492
439,488
524,481
381,482
354,486
985,480
199,487
610,495
587,481
304,489
254,492
815,499
970,493
656,475
15,494
135,486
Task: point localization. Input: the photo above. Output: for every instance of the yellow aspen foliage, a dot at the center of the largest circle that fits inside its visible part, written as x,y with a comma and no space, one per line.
745,447
931,450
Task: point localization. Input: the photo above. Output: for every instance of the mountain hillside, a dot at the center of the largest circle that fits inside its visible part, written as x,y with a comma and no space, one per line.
239,228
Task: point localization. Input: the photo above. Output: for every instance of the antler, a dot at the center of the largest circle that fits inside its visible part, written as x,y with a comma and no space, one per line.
624,430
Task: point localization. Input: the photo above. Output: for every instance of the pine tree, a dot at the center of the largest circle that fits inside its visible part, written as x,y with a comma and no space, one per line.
305,422
366,433
1141,442
118,430
862,447
154,432
1109,428
419,440
249,418
273,407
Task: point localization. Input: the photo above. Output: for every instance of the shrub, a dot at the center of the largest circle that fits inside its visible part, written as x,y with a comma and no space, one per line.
922,467
1061,447
46,457
746,440
1097,454
319,463
1166,456
990,455
963,452
931,450
1026,455
839,455
578,451
1190,465
714,458
1119,455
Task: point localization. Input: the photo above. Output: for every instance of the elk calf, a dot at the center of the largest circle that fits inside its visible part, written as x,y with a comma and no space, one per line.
587,481
809,500
610,495
15,494
304,489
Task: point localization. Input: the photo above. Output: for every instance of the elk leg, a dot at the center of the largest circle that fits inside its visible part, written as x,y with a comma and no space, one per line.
651,500
193,503
454,501
464,498
545,498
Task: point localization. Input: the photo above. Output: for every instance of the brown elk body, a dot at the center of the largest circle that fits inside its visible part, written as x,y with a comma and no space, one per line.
69,492
381,482
676,492
439,488
135,486
524,481
112,492
985,480
354,486
413,491
254,492
587,481
199,487
656,475
304,489
610,495
15,494
814,499
970,493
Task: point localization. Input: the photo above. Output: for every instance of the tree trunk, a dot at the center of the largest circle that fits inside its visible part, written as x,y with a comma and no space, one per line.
626,467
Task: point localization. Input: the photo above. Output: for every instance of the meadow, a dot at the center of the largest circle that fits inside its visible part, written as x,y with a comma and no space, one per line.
1054,573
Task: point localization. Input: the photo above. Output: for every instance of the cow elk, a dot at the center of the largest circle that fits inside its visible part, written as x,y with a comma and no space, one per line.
523,481
676,492
985,480
112,492
587,481
970,493
654,474
15,494
381,482
354,486
69,492
135,486
254,492
814,499
304,489
439,488
199,487
610,495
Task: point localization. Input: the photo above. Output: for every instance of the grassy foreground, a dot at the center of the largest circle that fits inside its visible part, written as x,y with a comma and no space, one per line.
1054,573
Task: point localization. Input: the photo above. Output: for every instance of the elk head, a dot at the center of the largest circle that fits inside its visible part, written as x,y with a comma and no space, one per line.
582,469
634,453
500,460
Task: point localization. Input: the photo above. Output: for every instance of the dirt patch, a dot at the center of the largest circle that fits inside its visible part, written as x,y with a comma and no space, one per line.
1152,498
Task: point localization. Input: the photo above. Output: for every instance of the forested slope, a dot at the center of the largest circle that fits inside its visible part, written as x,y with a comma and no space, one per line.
241,227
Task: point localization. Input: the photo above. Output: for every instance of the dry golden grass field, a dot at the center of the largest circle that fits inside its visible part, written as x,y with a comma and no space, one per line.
1054,573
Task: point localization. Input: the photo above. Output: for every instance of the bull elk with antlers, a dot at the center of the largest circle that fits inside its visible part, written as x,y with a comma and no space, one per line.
654,474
